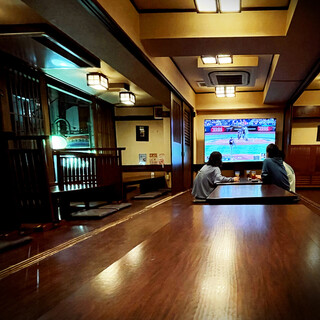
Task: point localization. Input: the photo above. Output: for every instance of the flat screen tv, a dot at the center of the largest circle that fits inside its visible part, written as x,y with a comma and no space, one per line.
239,140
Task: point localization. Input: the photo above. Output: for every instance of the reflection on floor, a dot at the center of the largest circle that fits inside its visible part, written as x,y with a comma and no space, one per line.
170,259
312,194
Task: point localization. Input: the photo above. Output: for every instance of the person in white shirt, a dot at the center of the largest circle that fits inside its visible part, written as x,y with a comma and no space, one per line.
290,173
208,176
291,176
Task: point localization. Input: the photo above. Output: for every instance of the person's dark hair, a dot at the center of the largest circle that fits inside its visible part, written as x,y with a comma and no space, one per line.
215,159
273,151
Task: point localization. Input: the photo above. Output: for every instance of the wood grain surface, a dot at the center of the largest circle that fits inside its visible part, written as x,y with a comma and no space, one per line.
180,260
250,193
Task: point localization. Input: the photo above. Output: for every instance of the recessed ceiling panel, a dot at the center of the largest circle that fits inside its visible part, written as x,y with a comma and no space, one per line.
172,5
188,66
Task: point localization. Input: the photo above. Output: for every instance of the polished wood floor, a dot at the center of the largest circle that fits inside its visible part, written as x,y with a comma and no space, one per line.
176,260
312,194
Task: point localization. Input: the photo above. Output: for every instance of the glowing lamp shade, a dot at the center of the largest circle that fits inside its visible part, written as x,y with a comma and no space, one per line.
206,5
225,92
224,58
220,92
97,81
230,92
229,5
127,97
58,142
208,59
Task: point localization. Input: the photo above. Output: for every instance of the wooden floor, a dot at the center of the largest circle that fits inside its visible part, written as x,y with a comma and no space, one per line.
176,260
312,194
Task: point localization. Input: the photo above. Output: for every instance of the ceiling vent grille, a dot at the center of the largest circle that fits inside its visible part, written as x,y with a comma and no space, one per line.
201,84
228,78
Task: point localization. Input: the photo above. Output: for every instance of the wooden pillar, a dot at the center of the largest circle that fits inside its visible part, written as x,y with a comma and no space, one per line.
287,126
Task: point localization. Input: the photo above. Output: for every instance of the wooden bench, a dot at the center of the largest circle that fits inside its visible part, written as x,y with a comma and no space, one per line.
146,182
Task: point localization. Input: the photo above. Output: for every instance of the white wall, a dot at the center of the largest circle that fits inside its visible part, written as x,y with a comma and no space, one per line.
304,132
159,140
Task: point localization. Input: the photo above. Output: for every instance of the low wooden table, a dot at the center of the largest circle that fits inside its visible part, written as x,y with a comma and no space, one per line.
242,181
236,193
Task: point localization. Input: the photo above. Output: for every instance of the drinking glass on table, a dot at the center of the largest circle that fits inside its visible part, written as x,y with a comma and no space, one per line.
236,176
248,174
253,175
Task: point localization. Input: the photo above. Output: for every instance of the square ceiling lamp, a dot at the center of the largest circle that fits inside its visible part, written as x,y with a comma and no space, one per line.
222,6
229,6
206,5
128,98
230,92
220,59
208,59
224,58
220,92
225,91
97,81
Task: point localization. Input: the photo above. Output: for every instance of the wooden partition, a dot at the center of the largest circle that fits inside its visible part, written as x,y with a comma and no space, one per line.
305,160
29,186
88,168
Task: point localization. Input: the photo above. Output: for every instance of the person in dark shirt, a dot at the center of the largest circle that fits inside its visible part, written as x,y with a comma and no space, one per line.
273,170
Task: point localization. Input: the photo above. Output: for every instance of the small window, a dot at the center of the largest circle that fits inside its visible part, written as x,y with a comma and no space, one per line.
70,117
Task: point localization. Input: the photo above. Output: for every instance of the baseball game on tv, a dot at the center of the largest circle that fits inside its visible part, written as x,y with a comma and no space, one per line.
239,140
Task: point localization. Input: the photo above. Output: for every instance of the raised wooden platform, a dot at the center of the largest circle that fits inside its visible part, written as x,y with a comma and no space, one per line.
176,260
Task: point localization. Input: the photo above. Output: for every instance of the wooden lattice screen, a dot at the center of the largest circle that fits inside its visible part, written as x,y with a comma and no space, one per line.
25,103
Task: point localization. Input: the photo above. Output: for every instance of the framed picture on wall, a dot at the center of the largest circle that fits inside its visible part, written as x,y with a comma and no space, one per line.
142,133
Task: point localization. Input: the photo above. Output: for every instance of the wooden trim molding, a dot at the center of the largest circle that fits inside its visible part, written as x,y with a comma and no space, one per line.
303,112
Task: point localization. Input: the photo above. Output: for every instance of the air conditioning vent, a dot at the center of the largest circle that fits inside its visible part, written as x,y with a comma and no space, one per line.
241,78
201,84
229,79
238,78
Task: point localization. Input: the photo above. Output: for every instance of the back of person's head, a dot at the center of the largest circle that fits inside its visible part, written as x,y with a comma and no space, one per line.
273,151
215,159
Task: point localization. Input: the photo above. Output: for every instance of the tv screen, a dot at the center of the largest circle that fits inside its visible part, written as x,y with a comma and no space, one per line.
239,140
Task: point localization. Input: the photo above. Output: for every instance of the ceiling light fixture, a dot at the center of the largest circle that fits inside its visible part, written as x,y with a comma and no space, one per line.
229,6
206,5
128,98
230,92
97,81
220,59
225,92
224,58
222,6
208,59
220,92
